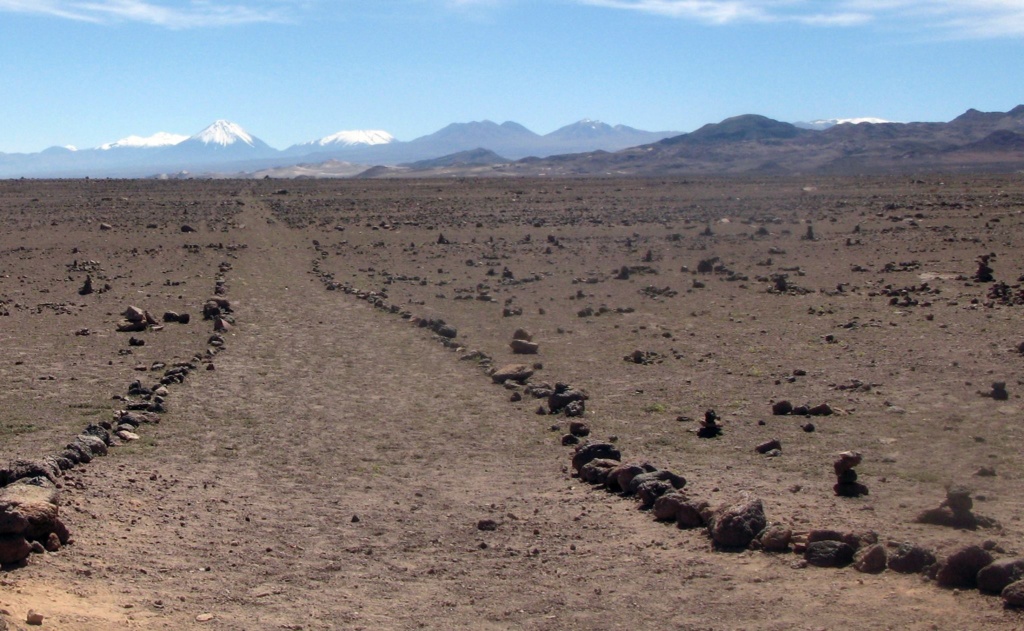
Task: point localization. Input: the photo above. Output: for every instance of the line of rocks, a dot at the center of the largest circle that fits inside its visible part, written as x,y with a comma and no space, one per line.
737,525
742,524
30,489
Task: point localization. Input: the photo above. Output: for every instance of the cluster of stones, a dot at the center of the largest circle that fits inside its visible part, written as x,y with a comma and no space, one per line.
29,495
785,408
846,476
662,492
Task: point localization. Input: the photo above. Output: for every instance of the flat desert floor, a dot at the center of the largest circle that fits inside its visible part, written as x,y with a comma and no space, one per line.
334,466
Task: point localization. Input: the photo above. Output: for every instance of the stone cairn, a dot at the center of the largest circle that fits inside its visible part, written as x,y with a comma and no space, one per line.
710,427
846,477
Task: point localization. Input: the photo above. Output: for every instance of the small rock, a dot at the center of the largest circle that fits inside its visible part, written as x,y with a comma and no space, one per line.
518,373
828,554
846,461
579,428
910,559
522,347
776,538
667,506
34,618
768,446
871,560
782,408
487,525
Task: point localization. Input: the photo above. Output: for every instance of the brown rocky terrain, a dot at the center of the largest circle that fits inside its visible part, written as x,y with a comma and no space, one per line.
332,450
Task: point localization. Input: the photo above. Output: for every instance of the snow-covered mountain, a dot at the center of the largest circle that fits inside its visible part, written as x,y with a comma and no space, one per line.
223,140
224,133
825,123
354,137
226,147
347,140
159,139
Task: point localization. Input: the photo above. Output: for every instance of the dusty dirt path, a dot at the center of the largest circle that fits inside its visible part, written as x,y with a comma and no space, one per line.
331,472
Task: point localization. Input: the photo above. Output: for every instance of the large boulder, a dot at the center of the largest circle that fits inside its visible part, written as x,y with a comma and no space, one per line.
736,525
993,578
961,568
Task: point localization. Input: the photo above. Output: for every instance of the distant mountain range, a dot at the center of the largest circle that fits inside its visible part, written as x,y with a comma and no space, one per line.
225,148
751,144
973,141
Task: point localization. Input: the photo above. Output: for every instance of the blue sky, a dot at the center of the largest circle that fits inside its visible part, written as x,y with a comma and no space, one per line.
86,72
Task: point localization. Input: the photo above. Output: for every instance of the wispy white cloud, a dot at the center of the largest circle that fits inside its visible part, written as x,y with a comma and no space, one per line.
174,15
952,18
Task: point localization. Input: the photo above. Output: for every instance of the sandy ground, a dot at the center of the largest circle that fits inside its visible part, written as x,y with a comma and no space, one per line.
331,471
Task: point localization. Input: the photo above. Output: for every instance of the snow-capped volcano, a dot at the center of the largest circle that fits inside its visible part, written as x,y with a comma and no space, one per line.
344,142
224,133
825,123
355,137
159,139
221,140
